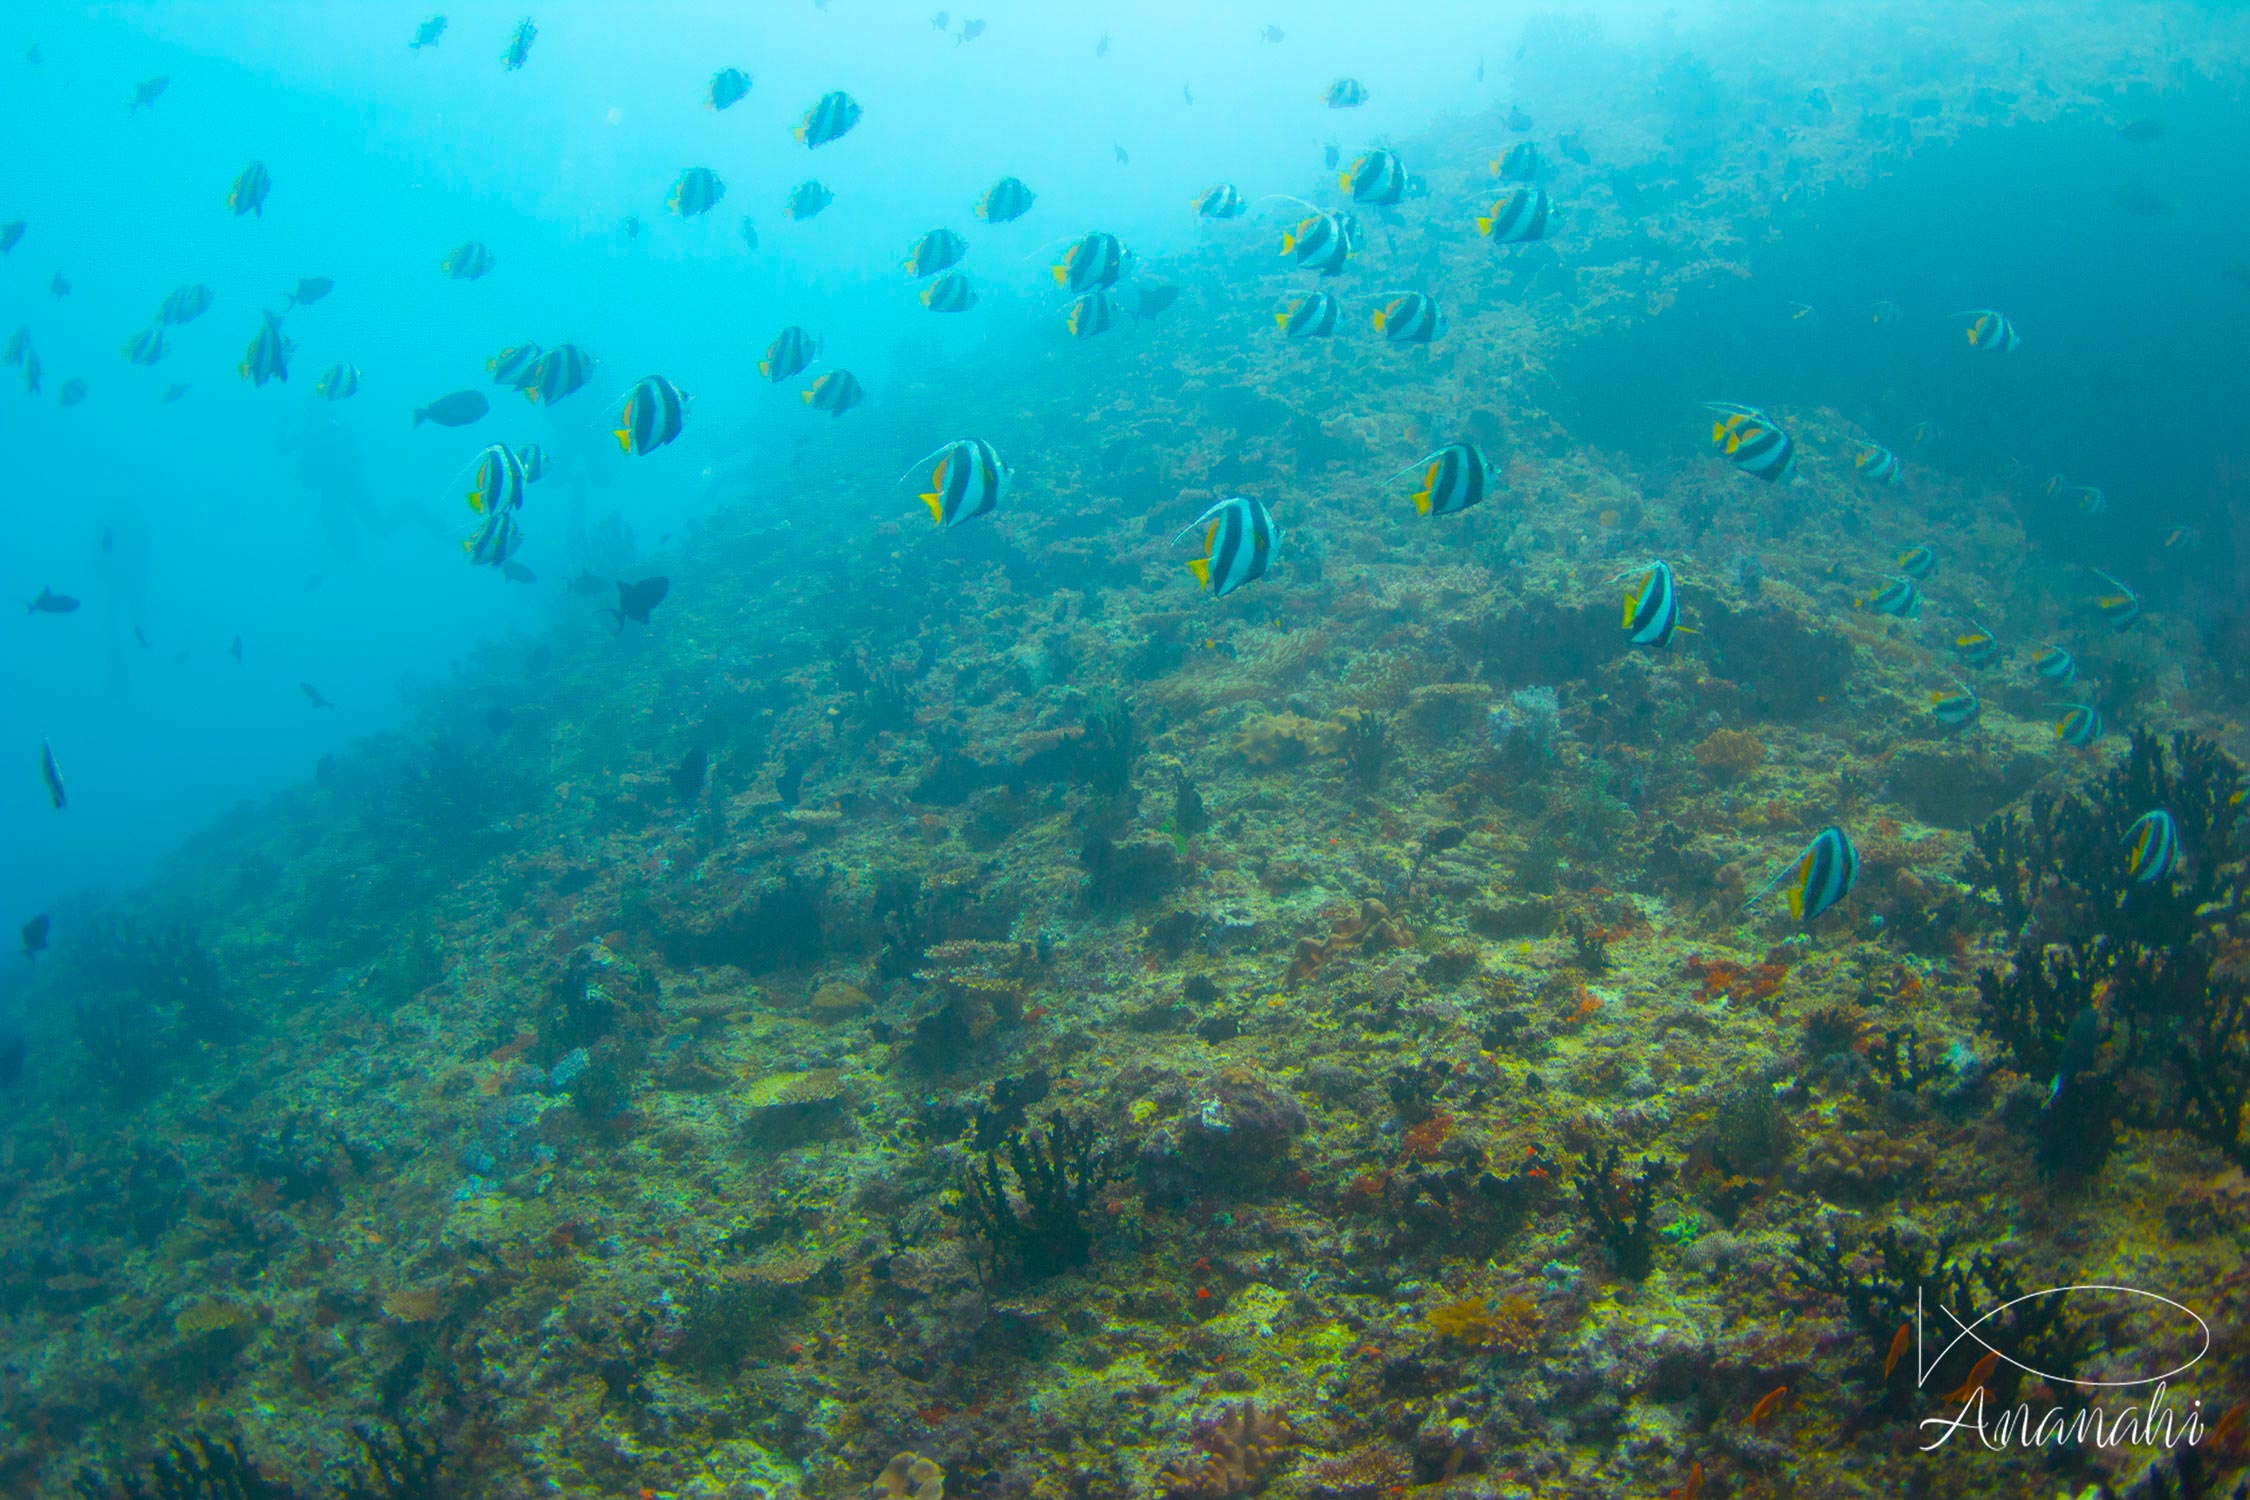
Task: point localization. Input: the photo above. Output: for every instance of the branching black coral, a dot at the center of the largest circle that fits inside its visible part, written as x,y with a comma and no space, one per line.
1889,1280
1041,1222
2131,995
1621,1209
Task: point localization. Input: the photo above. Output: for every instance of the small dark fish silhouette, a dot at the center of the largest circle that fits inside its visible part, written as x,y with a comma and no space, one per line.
516,572
312,695
1101,48
146,93
35,935
587,585
1330,155
2143,202
50,603
60,286
235,650
2142,132
427,34
140,637
310,290
1269,33
457,410
174,392
635,600
51,773
1122,158
970,31
687,776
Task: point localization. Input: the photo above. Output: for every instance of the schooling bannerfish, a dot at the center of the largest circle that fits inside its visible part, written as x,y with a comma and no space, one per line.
806,199
697,192
729,87
519,45
248,195
1652,606
51,774
831,117
1005,201
968,482
790,352
427,34
1240,542
835,393
1312,316
469,261
1454,478
1819,878
653,416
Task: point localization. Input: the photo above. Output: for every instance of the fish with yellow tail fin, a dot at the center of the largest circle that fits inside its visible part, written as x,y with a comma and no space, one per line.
806,199
1977,646
1091,314
497,497
1990,332
515,366
1917,562
1454,478
939,250
1956,709
1005,201
1345,93
950,293
2152,847
1312,316
1411,318
1876,462
729,87
2054,664
1517,219
2080,725
340,382
560,371
1752,441
1377,178
1094,260
1817,879
835,393
653,415
697,192
1240,542
1224,201
2120,607
834,114
469,261
1320,243
1652,606
968,481
267,358
1898,597
790,352
248,195
1519,163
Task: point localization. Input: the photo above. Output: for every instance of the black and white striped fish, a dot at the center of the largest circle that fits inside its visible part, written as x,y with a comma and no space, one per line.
1240,542
1652,606
1409,319
2152,847
1876,462
1517,219
1377,178
1221,202
835,393
516,366
339,381
729,86
534,461
806,199
248,195
185,304
790,352
267,358
1750,440
145,347
949,293
560,371
1818,878
1990,332
653,415
1093,313
469,261
1345,93
836,113
1319,243
697,192
939,250
968,481
1097,259
1005,201
1312,316
519,46
1454,478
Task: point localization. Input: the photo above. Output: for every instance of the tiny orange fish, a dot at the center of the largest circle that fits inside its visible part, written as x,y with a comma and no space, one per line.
1693,1487
1766,1405
1977,1377
1898,1351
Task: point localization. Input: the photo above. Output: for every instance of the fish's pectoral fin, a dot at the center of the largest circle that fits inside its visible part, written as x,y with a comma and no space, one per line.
1201,568
1422,502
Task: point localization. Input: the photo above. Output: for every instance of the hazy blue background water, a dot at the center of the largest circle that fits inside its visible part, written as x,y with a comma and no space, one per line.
223,509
